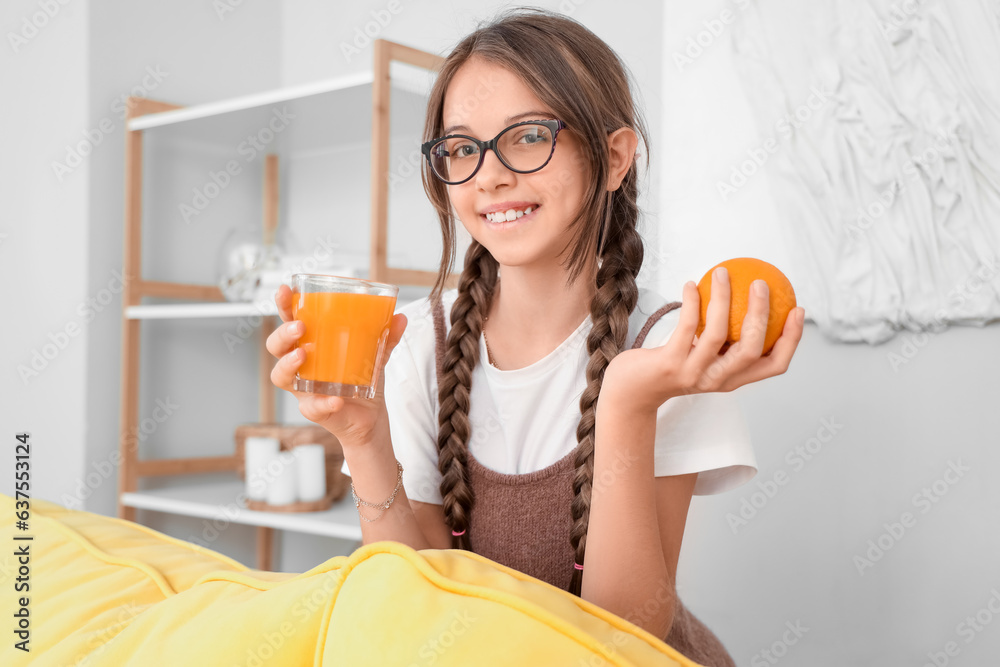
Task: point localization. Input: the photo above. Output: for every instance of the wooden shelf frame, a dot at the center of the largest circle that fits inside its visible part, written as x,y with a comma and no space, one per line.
131,468
380,271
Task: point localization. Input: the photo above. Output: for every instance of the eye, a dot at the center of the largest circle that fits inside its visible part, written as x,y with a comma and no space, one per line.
534,136
464,150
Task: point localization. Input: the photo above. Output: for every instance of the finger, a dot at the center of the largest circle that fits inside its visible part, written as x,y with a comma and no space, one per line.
283,339
679,344
716,321
747,350
284,371
777,361
319,408
396,329
283,300
774,364
791,334
754,328
779,358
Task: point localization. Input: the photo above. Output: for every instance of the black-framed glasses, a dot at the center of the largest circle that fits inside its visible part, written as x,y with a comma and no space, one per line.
523,148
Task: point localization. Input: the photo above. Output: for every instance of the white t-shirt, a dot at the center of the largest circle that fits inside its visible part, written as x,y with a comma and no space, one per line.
525,420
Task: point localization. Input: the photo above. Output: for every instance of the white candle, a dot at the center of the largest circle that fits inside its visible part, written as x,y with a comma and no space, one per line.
257,451
281,479
310,464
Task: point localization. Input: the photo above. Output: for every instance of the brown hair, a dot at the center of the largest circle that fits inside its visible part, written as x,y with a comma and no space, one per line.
584,82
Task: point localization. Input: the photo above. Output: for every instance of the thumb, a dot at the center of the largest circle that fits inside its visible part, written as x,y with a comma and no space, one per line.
396,328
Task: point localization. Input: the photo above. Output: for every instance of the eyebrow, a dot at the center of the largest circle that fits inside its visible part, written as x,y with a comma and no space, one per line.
507,121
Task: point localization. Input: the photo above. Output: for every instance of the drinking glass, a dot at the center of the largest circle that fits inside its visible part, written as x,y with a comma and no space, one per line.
346,327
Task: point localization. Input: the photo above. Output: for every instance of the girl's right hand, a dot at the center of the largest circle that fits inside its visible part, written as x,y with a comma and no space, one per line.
354,421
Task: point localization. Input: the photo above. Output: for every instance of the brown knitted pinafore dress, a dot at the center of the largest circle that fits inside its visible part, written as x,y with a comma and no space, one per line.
523,522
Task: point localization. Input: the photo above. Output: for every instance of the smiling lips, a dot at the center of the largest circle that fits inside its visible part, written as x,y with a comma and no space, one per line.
509,215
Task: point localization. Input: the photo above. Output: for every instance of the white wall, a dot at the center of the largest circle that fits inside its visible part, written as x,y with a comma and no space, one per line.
706,131
902,412
43,239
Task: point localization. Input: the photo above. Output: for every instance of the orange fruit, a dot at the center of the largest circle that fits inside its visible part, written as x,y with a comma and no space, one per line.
742,272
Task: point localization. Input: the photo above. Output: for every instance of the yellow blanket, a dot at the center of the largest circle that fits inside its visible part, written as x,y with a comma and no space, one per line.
104,591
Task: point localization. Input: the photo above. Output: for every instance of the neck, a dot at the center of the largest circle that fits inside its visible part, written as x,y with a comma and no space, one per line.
537,304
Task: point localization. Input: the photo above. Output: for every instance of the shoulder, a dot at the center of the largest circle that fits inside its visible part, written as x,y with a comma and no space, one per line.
653,310
419,337
420,316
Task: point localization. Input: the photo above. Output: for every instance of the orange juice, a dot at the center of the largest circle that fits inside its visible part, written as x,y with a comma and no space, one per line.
343,336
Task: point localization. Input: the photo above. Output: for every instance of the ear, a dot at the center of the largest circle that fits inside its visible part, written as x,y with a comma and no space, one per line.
621,146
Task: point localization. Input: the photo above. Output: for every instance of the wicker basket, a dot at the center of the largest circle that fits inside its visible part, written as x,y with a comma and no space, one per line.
289,436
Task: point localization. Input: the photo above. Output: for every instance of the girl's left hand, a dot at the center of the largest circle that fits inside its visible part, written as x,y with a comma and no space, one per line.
689,364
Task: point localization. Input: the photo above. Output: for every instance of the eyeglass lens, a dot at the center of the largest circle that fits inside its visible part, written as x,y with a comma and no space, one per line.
522,148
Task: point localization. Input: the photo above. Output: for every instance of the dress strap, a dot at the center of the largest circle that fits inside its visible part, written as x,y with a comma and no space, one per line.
439,341
673,305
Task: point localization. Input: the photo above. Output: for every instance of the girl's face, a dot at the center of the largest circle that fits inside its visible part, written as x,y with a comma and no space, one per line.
483,99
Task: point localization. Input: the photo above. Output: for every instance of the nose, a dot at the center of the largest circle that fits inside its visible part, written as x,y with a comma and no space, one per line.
492,172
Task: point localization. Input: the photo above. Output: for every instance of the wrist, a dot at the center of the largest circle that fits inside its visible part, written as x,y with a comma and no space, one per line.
375,440
374,464
621,398
373,434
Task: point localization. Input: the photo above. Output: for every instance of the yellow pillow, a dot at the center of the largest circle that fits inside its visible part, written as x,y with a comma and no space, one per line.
105,591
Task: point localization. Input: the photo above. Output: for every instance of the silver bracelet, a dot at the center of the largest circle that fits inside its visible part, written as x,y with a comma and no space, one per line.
383,505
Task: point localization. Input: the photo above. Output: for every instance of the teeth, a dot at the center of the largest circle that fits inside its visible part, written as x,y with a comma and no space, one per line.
508,215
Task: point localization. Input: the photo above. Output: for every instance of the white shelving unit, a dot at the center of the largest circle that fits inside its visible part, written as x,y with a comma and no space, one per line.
350,111
216,501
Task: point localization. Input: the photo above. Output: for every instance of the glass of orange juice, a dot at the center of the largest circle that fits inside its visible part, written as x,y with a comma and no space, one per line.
346,326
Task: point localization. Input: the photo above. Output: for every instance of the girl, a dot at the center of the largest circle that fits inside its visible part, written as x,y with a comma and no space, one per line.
551,415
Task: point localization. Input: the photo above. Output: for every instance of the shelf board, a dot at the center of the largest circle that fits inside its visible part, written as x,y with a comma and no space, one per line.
173,311
263,98
403,80
330,113
219,500
165,311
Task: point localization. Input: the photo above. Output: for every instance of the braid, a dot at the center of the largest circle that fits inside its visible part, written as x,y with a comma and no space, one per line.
475,293
616,297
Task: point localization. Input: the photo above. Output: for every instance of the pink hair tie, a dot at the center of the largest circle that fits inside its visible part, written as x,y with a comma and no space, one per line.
457,534
579,567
